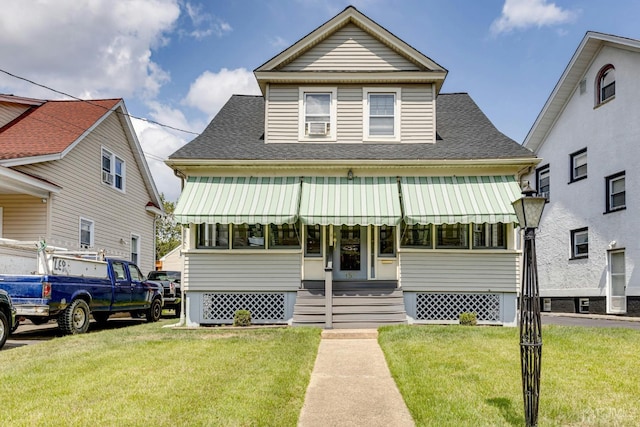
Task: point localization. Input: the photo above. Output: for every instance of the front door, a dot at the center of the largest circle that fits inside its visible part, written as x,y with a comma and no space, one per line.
617,301
350,254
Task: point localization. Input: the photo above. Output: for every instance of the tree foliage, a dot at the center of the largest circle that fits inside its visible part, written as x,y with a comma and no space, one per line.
168,233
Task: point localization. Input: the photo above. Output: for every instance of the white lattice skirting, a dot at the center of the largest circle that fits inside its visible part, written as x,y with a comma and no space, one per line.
447,307
264,307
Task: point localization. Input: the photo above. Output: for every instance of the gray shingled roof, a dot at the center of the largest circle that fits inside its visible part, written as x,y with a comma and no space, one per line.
464,133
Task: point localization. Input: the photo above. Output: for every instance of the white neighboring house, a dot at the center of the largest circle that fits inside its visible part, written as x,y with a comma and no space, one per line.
173,260
588,136
72,173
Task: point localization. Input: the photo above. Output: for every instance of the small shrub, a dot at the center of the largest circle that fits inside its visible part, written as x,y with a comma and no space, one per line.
242,318
468,319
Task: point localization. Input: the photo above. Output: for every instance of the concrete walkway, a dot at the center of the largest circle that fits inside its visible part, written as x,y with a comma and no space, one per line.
351,384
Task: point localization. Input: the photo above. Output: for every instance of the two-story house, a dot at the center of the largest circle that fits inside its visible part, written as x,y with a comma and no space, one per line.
72,174
351,192
587,136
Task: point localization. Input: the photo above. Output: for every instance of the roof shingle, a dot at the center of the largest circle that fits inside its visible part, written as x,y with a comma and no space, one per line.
464,133
51,127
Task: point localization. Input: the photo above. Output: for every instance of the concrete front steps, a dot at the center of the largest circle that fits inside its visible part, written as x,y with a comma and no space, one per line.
356,305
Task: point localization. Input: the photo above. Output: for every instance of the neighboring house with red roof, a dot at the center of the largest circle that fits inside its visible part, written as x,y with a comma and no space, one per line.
73,173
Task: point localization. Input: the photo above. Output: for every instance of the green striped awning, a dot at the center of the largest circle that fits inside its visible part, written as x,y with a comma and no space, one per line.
358,201
459,199
239,200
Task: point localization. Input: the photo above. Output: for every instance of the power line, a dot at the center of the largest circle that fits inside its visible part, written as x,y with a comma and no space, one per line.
144,119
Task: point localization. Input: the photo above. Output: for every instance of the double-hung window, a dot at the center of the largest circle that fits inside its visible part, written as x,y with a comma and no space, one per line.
318,113
580,243
578,165
113,170
86,233
489,236
135,249
616,194
381,114
543,181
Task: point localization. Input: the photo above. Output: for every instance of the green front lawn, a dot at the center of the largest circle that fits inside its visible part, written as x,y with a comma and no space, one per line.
470,376
147,375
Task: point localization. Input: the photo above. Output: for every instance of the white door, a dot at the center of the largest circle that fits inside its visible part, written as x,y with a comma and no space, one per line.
617,300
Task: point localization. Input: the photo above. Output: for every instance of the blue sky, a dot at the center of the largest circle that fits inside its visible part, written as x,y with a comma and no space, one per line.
177,61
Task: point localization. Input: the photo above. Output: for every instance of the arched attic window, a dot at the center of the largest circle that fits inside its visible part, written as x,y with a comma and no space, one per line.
606,84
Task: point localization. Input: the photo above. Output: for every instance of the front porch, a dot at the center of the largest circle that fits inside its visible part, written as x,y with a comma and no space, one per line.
355,304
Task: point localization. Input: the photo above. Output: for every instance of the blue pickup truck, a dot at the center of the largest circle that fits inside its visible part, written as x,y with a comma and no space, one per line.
73,289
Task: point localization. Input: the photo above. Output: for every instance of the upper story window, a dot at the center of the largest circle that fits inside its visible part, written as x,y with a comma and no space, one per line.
616,194
543,181
318,113
606,84
381,114
86,233
578,165
113,170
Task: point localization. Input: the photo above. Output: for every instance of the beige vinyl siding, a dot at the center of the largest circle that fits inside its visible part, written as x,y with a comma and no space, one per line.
282,113
459,272
418,114
116,214
349,116
352,49
23,217
9,111
242,272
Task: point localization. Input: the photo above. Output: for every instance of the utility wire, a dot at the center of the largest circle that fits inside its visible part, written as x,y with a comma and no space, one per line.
94,104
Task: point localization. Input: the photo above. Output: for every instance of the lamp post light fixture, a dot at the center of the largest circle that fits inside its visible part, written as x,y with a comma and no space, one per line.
529,211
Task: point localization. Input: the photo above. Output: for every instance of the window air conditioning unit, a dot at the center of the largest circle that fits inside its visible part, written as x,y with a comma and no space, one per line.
107,177
318,128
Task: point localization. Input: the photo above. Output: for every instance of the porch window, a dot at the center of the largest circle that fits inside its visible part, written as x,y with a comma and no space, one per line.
416,236
616,194
387,241
212,236
580,243
578,165
313,244
317,113
248,236
86,233
489,236
283,236
452,236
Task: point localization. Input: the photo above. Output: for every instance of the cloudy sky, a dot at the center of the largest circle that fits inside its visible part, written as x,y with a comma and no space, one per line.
176,62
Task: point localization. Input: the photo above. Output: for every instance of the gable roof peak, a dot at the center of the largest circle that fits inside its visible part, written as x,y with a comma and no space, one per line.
429,70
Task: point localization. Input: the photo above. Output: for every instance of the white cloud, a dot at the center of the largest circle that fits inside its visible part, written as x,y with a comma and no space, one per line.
157,144
204,23
210,91
85,48
522,14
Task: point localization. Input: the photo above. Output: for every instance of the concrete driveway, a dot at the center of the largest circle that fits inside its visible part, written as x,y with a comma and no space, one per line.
590,320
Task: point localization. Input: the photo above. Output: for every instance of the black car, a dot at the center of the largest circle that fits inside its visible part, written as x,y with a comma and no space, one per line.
7,317
170,281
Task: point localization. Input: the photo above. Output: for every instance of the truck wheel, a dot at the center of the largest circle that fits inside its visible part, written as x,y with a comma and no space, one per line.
4,328
154,312
101,317
75,318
